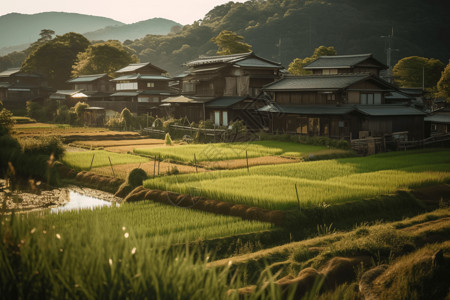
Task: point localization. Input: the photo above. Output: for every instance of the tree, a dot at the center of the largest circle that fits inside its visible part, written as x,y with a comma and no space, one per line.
296,66
6,120
54,59
106,57
413,71
230,43
443,85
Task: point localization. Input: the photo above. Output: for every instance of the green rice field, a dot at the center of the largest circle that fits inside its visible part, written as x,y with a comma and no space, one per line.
227,151
318,183
155,223
82,160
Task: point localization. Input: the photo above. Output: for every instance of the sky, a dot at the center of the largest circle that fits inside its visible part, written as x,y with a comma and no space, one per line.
126,11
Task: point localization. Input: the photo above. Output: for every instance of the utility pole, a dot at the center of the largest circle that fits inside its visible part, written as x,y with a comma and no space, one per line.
389,50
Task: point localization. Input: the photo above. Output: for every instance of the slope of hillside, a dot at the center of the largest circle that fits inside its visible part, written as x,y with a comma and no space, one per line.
282,30
132,31
25,29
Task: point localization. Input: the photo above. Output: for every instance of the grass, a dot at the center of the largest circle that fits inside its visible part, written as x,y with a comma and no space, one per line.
227,151
318,182
82,160
114,253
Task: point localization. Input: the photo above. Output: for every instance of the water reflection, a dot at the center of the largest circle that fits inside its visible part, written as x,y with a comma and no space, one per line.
79,201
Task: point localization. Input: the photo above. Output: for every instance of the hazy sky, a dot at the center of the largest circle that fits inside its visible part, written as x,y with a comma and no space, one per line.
127,11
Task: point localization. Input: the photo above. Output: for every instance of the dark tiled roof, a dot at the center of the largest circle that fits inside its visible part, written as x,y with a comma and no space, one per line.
223,102
125,94
9,72
443,118
340,61
135,67
389,110
141,77
315,82
86,78
308,110
242,59
185,99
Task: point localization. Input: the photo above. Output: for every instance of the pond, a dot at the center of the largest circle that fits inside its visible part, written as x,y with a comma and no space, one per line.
79,201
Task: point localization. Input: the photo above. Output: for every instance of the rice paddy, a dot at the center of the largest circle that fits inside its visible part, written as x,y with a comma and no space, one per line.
84,160
228,151
317,183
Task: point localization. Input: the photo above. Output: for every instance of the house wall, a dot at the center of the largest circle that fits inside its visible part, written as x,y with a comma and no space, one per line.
307,98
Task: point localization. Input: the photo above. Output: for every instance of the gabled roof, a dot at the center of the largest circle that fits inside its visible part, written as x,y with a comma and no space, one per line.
439,117
341,61
323,82
317,82
389,110
369,110
242,59
9,72
225,101
17,72
308,110
185,99
136,67
86,78
141,77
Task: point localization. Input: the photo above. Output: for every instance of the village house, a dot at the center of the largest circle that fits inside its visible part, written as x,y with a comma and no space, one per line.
16,88
92,89
221,88
338,103
141,87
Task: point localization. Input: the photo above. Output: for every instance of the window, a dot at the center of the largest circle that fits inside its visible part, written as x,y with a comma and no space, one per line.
150,84
188,87
331,97
217,118
370,99
126,86
329,71
225,118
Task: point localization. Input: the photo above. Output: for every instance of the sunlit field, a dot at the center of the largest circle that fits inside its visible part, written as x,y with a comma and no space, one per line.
99,158
318,183
227,151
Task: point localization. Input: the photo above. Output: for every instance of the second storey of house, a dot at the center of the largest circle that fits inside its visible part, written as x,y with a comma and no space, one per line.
361,89
91,83
229,75
345,64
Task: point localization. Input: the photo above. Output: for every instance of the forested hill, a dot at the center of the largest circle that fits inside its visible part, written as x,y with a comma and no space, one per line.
17,29
133,31
285,29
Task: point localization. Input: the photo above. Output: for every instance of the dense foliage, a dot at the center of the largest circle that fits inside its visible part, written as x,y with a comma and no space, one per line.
54,59
415,71
107,57
230,43
296,66
443,85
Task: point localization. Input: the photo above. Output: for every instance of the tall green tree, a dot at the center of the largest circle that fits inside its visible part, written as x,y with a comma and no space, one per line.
100,58
443,85
55,58
296,66
230,43
413,71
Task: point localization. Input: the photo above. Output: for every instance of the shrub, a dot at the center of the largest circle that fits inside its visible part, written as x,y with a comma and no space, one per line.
168,140
46,146
136,177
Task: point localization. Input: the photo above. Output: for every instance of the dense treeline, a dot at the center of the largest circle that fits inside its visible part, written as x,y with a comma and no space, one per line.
283,30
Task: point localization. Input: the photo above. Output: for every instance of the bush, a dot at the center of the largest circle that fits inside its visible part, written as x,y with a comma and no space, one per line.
136,177
168,140
46,146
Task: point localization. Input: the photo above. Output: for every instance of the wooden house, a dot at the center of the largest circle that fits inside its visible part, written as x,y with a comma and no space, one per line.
438,122
342,106
16,88
221,88
346,64
141,87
